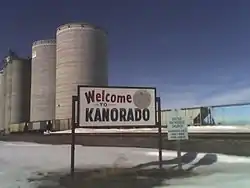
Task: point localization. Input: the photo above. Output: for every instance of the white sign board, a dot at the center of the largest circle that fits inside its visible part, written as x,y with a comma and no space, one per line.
113,106
177,127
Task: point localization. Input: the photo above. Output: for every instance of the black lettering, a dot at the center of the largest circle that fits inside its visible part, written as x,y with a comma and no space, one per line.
98,97
129,98
122,114
146,114
103,95
130,115
105,114
88,115
114,114
107,97
176,119
113,98
121,99
90,96
177,126
137,114
98,116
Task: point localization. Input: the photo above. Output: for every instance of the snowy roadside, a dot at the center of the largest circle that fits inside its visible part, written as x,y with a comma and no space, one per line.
192,129
20,162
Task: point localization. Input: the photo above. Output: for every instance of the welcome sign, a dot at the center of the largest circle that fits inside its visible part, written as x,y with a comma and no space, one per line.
116,106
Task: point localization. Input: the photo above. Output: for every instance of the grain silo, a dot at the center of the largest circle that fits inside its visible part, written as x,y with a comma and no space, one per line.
17,73
43,78
4,94
7,91
81,51
1,101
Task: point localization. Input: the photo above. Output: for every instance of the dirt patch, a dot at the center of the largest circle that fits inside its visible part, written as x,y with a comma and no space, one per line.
112,178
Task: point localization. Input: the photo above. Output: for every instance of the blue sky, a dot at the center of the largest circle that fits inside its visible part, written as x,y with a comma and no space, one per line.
196,52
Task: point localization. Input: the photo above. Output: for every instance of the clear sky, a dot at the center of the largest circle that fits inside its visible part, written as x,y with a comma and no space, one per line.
196,52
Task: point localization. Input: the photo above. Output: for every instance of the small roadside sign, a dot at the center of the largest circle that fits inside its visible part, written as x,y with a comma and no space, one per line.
177,127
177,130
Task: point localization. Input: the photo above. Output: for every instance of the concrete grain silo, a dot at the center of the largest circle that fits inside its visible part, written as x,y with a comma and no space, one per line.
1,101
4,94
43,77
7,91
17,75
81,51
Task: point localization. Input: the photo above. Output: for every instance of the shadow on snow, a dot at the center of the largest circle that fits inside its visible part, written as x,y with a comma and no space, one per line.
145,175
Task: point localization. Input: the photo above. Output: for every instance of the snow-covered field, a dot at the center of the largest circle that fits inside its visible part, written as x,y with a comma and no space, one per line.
204,129
20,161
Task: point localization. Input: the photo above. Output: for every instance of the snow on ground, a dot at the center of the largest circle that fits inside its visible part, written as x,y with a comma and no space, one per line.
193,129
20,161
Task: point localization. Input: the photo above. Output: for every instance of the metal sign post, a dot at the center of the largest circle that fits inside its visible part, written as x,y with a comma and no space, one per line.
179,154
158,102
73,126
177,130
178,148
